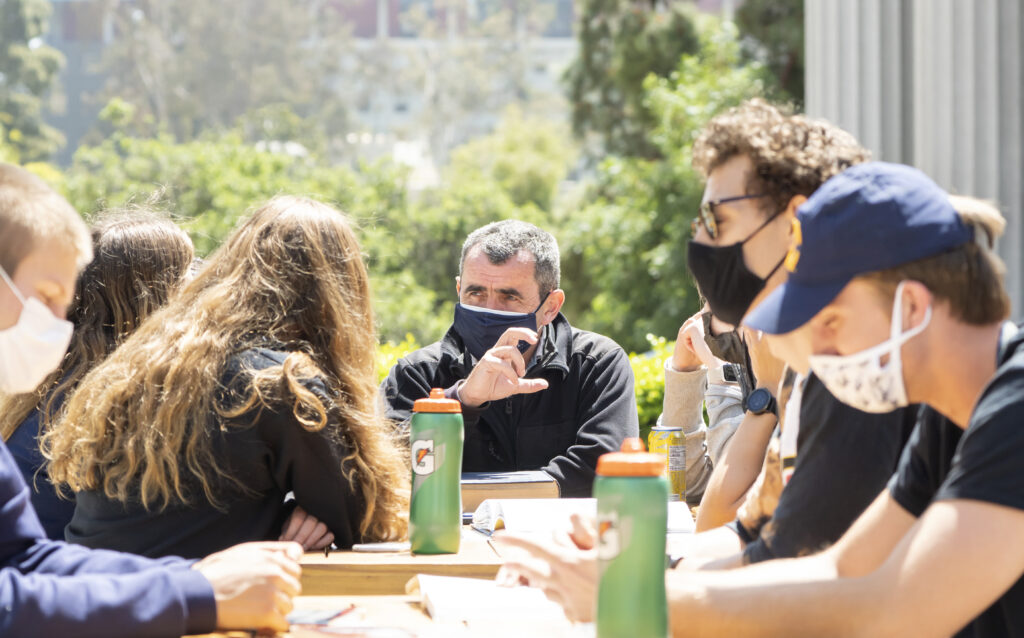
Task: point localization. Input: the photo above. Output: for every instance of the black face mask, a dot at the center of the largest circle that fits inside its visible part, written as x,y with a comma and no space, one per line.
723,277
481,328
727,346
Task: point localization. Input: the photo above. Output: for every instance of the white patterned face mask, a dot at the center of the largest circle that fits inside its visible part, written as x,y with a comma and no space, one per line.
861,380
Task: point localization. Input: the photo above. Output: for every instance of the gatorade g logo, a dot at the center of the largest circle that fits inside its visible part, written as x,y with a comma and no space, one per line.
423,457
609,542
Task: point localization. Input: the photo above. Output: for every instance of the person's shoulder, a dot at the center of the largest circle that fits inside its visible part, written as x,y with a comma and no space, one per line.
593,345
1003,396
427,356
255,358
243,364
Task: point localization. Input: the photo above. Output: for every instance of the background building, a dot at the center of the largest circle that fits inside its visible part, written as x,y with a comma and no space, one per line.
439,72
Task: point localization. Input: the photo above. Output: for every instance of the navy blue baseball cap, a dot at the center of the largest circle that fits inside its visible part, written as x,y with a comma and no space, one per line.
870,217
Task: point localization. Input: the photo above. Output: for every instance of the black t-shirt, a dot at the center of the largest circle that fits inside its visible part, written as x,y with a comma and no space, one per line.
844,459
985,463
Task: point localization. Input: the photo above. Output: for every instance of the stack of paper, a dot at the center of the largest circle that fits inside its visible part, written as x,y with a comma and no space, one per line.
475,601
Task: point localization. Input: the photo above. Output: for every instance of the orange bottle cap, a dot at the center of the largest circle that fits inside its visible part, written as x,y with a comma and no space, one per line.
632,460
437,403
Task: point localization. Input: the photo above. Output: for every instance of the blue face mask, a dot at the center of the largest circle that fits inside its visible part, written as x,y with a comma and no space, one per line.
481,328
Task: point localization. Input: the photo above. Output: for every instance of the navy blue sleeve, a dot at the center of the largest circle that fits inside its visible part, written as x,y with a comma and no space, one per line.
155,602
50,588
54,512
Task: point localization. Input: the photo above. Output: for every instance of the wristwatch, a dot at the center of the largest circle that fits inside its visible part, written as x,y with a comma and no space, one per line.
760,401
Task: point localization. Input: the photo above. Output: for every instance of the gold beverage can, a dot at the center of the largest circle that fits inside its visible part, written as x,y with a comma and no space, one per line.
671,443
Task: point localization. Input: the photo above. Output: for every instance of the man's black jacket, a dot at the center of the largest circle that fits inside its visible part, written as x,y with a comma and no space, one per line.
587,409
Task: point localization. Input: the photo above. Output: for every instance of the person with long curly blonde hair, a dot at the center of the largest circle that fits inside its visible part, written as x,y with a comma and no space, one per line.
140,259
50,588
257,380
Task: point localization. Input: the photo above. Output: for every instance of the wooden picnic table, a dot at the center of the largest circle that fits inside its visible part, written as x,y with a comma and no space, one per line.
405,613
400,612
364,573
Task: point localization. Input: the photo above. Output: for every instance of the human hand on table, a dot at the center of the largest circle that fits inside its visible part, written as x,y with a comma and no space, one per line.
582,536
565,568
254,584
306,530
499,373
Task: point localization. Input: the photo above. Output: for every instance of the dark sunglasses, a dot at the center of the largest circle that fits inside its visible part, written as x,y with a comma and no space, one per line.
706,214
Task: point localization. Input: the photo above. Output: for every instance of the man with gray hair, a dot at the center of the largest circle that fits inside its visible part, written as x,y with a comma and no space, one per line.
536,393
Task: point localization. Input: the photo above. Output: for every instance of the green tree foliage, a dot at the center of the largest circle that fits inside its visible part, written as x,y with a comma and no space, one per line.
624,253
412,246
776,28
512,173
192,65
621,43
28,70
8,153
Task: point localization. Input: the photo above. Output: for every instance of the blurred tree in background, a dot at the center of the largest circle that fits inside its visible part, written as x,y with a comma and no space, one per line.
192,65
773,32
215,112
624,252
621,43
512,173
412,246
28,69
623,231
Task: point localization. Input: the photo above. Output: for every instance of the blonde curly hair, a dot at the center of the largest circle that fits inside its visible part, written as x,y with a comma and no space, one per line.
293,273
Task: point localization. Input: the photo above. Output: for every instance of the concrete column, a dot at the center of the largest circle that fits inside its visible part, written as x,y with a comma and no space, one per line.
933,83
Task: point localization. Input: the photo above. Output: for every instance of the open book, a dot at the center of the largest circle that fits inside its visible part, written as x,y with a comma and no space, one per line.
483,602
480,486
548,515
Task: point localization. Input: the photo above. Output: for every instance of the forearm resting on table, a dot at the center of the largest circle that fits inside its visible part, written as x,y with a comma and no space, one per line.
950,566
795,597
737,471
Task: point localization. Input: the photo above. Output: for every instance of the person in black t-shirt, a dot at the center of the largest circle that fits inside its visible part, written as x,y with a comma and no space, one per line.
903,302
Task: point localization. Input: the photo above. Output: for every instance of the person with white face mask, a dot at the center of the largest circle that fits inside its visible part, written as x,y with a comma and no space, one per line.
32,347
938,553
50,588
903,303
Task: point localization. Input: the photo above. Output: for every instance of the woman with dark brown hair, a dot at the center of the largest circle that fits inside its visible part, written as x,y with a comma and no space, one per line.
140,259
258,379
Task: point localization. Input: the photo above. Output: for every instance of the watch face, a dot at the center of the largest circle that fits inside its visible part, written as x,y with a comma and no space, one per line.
758,400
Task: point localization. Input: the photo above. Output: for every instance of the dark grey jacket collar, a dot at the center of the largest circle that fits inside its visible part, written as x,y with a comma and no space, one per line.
555,350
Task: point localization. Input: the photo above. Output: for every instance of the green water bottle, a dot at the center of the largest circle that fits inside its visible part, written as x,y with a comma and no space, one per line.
435,510
632,526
